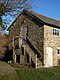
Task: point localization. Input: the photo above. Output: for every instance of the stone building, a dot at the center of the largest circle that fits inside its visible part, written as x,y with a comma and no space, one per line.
34,40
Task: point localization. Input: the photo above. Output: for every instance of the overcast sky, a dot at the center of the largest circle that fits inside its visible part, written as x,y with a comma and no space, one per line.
50,8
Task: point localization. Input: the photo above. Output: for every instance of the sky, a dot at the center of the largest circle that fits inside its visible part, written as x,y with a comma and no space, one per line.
50,8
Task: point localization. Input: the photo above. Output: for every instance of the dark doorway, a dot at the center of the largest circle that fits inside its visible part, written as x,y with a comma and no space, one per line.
27,56
32,63
8,55
22,50
18,58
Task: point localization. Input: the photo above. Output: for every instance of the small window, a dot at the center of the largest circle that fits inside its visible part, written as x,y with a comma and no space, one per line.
55,32
58,51
24,32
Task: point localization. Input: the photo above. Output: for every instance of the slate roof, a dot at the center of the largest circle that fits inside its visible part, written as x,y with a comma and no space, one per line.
44,19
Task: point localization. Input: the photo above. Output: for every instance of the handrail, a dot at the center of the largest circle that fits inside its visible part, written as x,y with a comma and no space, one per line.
35,50
34,47
29,50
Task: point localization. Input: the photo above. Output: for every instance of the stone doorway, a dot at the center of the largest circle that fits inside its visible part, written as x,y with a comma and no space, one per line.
17,58
27,58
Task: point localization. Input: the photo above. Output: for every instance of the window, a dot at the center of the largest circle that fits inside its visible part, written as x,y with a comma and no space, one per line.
24,32
58,51
56,32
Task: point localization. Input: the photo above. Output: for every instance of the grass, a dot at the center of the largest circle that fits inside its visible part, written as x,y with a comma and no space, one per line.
21,72
39,74
7,72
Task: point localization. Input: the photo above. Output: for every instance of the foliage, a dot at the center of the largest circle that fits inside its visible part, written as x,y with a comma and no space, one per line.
39,74
12,7
3,43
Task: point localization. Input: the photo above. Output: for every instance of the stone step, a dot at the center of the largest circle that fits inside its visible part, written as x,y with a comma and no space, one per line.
39,67
33,60
39,64
39,61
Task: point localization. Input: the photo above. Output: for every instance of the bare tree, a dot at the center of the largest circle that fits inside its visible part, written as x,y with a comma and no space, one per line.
12,7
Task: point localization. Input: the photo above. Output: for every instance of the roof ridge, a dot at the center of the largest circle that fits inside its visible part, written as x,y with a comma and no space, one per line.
44,15
46,19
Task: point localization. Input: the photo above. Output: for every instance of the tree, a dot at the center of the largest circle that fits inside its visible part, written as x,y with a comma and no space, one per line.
3,43
12,7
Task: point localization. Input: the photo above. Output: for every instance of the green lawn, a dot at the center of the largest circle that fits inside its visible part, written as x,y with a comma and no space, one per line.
39,74
21,72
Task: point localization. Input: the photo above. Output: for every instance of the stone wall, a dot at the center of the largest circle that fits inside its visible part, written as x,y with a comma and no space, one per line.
52,41
14,30
35,33
40,35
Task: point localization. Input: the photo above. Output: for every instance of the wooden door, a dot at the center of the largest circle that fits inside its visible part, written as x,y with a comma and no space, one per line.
49,57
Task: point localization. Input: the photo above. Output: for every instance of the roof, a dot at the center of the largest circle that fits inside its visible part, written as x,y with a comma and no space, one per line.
44,19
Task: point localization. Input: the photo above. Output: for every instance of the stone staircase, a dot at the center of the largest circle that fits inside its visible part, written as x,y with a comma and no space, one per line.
39,63
33,56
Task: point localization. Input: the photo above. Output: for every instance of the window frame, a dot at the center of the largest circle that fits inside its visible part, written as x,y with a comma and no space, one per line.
55,31
58,51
